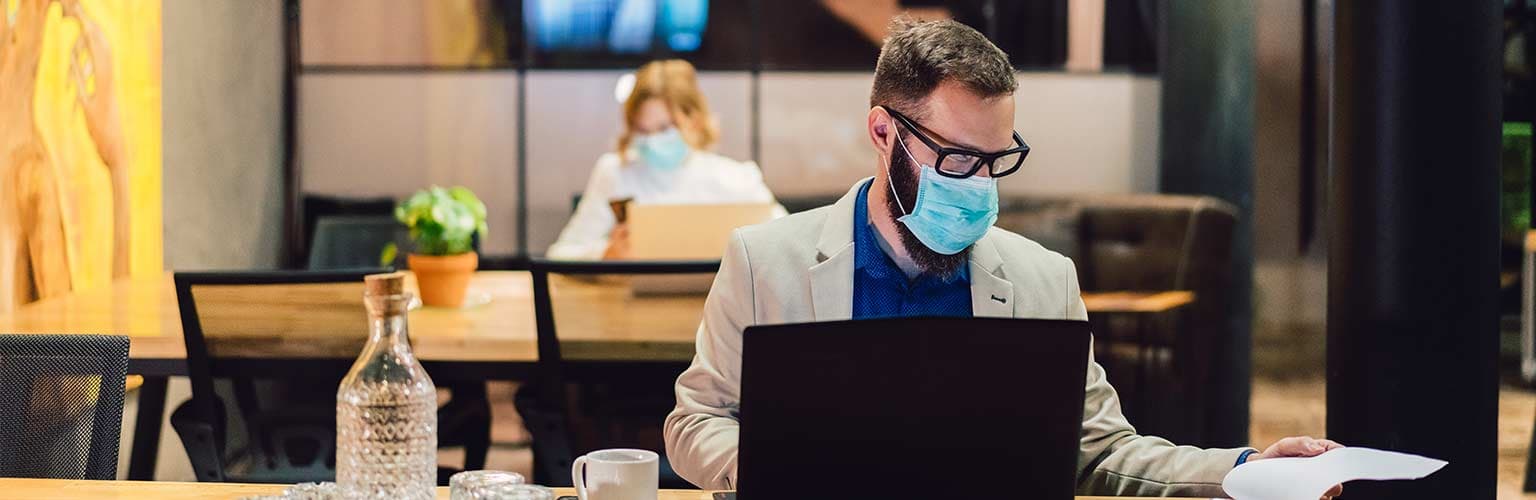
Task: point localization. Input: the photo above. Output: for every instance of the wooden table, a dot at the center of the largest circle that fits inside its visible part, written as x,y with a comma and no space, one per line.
496,339
163,490
598,321
1137,302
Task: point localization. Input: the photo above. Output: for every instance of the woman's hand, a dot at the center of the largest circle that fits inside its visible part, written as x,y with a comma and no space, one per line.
618,243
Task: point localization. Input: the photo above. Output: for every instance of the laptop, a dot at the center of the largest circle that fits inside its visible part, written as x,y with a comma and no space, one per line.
912,408
685,232
689,232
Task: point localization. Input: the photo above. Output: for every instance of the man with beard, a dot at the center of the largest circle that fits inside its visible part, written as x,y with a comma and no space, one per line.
917,240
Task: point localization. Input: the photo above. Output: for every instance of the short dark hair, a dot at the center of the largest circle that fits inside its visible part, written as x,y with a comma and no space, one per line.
918,56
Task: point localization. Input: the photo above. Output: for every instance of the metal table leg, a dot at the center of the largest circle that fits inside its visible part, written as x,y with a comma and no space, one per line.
146,429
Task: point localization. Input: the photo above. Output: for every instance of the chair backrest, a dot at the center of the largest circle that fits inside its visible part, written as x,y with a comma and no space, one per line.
61,405
1157,242
355,241
550,363
255,324
1055,223
1140,242
312,207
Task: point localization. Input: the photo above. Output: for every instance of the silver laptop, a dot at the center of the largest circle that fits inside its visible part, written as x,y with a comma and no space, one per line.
686,232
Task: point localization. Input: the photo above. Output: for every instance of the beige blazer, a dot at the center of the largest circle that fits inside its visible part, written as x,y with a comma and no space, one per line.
800,268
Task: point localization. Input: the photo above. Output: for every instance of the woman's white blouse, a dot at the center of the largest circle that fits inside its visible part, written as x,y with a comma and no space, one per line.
704,179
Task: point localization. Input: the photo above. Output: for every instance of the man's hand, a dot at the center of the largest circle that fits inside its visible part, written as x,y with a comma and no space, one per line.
1301,447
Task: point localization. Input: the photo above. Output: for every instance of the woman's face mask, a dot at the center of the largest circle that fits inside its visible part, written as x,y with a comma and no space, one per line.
663,150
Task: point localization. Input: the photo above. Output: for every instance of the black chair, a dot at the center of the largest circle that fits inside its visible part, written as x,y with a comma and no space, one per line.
240,438
624,394
356,241
317,208
313,207
61,405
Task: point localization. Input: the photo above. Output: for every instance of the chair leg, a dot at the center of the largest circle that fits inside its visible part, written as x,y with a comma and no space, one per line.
248,405
146,430
201,442
552,451
477,443
466,421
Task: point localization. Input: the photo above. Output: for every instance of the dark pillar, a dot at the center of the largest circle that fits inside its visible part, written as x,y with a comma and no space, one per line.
1413,239
1207,148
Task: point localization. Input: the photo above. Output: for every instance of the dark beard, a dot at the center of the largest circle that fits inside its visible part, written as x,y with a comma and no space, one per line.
904,178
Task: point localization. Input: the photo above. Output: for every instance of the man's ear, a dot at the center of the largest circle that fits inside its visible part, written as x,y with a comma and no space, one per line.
881,129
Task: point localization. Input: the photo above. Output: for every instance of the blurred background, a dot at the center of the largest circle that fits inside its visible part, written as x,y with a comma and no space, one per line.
1175,145
517,97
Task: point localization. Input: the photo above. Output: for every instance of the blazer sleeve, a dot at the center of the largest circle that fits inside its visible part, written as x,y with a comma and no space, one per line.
585,236
1114,460
701,432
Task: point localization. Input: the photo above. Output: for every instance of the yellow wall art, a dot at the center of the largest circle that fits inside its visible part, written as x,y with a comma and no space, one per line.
80,145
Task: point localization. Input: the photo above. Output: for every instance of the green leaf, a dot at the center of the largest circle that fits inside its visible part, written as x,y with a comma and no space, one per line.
443,221
468,199
387,257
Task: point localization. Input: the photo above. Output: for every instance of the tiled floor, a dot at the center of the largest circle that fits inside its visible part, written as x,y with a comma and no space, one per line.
509,440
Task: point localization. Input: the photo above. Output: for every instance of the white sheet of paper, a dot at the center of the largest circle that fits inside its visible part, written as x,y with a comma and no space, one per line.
1308,478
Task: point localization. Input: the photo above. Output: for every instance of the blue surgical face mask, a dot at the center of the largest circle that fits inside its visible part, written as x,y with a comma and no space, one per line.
950,214
663,150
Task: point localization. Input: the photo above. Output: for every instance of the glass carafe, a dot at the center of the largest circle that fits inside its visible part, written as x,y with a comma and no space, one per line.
386,407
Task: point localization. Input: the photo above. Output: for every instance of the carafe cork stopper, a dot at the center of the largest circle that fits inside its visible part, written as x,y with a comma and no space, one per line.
385,284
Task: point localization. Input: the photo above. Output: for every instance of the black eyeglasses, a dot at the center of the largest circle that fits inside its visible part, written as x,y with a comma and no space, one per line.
961,163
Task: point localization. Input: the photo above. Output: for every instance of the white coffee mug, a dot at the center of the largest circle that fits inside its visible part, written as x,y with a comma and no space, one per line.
617,474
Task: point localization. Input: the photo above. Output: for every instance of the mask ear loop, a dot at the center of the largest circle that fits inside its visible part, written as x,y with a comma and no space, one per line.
891,183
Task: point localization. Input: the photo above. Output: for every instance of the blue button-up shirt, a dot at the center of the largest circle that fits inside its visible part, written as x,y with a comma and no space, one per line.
882,290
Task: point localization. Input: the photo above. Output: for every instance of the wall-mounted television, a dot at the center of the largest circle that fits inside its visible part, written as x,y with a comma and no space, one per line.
616,26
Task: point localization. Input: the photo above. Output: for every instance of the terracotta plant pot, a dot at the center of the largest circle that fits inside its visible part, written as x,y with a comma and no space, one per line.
442,279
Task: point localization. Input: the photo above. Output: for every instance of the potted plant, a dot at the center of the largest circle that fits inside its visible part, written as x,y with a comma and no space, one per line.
443,224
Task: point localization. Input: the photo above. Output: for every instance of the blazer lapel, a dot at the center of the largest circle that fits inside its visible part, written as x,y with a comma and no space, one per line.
832,287
991,295
832,276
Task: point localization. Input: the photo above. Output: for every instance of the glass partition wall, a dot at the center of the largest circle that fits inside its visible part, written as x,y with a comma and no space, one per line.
515,99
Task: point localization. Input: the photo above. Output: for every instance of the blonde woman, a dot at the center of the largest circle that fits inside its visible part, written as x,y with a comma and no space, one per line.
663,157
